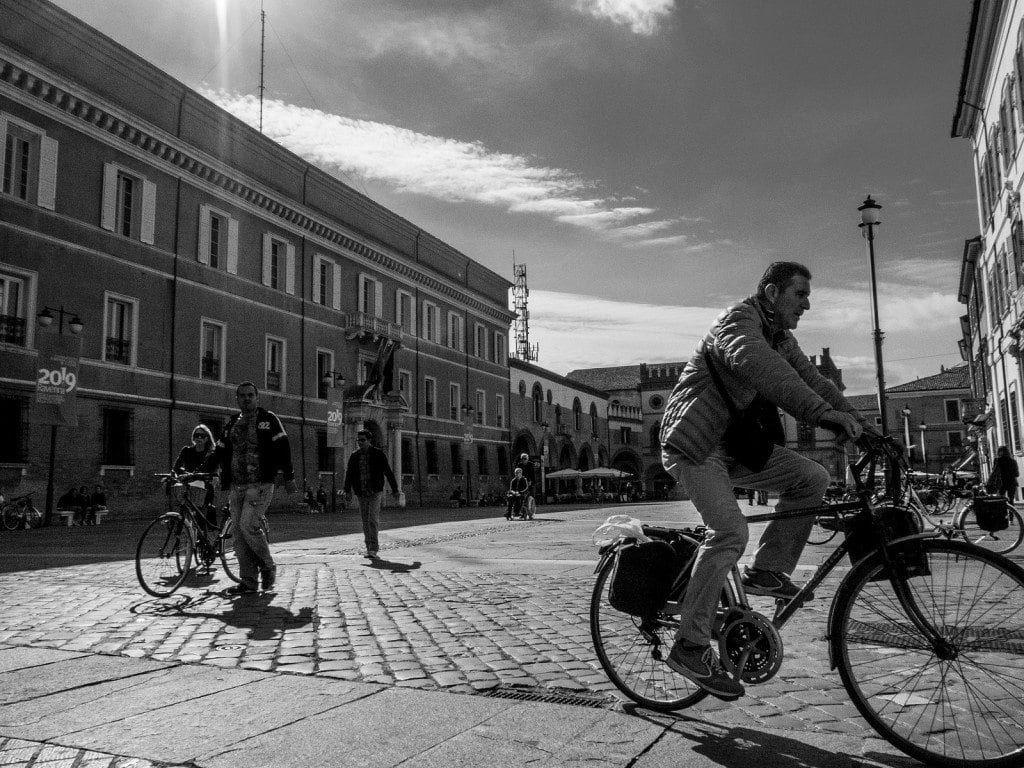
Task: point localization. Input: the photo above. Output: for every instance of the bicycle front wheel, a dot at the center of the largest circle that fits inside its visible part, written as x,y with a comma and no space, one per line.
956,703
164,555
632,651
820,535
966,523
226,545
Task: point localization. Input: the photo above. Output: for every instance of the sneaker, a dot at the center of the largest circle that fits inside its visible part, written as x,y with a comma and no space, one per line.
699,664
240,589
268,578
370,553
770,584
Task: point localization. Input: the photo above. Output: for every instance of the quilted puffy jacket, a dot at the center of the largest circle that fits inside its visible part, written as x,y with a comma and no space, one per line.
749,358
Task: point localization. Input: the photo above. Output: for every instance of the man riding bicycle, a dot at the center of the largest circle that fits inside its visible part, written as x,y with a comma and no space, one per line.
748,359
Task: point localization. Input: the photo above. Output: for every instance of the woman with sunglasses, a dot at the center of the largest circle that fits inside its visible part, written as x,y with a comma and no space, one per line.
193,458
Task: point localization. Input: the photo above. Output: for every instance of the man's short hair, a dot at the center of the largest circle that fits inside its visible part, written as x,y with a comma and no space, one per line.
238,389
781,274
524,456
519,470
365,433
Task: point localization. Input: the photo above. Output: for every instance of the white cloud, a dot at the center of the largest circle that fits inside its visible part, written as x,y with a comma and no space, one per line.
641,16
446,169
577,331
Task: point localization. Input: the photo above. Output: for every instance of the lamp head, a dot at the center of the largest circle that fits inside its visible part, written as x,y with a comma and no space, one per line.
869,212
45,318
76,325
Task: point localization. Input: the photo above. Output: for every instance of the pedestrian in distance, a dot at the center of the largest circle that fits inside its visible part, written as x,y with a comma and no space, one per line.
193,458
253,455
365,473
321,499
1003,480
518,489
721,429
72,501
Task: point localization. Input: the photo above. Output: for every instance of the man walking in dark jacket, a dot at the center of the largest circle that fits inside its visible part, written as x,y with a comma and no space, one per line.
364,476
253,454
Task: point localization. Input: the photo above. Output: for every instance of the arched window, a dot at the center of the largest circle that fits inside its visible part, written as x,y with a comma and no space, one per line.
522,388
577,414
549,397
538,403
593,418
558,417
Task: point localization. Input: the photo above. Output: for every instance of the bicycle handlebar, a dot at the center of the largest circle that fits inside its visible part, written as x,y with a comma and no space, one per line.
185,477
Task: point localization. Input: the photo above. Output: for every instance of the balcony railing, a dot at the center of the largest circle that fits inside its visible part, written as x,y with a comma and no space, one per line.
12,330
119,350
361,322
211,368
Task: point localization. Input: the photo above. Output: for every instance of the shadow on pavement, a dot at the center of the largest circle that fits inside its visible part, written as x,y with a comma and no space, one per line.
253,612
393,566
742,747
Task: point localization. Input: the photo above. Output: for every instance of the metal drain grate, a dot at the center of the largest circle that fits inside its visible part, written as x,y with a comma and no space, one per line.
546,695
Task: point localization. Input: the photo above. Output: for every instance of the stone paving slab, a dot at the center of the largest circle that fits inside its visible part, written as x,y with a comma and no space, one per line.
19,753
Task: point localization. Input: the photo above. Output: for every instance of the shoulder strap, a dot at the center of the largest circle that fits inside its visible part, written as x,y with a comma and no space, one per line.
733,410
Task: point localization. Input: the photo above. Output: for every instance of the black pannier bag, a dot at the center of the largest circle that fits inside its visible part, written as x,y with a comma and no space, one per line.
645,574
896,522
992,513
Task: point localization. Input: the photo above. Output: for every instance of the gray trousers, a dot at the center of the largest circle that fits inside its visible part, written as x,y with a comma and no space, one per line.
369,511
801,484
248,505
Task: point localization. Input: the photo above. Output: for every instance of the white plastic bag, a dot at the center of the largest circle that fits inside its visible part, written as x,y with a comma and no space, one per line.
618,527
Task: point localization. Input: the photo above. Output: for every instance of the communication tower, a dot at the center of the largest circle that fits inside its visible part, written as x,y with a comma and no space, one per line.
520,293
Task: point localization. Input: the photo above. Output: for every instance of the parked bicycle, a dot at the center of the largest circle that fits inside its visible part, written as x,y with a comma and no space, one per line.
166,549
927,633
990,522
19,512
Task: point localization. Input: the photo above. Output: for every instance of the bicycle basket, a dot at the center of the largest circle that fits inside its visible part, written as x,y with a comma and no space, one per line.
991,513
644,575
892,523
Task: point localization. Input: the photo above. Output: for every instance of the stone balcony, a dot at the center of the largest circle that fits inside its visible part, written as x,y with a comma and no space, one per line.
362,325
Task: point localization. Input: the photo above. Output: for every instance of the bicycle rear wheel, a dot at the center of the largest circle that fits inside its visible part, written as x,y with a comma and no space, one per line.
999,541
226,545
11,516
632,651
164,555
959,705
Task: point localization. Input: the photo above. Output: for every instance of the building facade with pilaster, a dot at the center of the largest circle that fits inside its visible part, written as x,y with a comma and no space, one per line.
989,113
197,254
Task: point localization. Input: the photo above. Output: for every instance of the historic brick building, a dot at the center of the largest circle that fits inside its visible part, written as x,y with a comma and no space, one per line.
196,253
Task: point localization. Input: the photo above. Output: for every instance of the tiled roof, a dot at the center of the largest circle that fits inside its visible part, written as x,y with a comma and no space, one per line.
957,377
864,402
614,377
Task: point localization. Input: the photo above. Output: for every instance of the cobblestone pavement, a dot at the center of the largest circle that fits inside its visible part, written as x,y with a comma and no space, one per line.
453,620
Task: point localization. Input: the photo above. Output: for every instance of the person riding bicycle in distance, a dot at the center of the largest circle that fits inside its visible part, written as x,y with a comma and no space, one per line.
753,352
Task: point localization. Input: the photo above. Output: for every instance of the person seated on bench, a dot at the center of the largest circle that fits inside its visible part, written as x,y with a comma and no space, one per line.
97,503
73,504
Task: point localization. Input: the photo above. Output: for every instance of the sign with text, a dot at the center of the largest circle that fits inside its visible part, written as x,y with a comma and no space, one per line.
335,418
57,379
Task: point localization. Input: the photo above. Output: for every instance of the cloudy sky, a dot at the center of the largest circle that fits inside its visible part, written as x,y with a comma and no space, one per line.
645,158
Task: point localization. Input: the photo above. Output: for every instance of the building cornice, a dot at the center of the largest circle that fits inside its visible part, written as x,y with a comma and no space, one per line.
40,88
986,16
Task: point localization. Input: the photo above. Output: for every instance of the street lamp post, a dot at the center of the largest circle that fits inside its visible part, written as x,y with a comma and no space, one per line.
468,410
45,319
906,433
334,379
543,461
924,454
869,220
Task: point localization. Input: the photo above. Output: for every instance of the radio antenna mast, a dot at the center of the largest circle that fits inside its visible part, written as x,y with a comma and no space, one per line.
520,294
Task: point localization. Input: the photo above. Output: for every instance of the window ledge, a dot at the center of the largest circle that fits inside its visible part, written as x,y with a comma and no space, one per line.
105,468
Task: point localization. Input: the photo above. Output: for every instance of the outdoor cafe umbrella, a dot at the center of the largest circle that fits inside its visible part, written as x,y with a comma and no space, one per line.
563,474
605,472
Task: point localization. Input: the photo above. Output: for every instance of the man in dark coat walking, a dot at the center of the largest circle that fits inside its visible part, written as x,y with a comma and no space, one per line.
365,474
